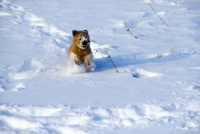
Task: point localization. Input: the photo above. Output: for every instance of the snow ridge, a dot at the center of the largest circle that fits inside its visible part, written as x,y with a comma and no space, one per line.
66,119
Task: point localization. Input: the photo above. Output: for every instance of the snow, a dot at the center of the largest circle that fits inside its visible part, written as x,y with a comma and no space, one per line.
157,89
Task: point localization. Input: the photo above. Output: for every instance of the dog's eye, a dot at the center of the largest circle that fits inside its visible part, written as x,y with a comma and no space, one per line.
88,38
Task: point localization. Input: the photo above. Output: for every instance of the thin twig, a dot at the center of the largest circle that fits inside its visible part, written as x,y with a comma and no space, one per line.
158,15
172,50
108,57
100,54
131,33
163,55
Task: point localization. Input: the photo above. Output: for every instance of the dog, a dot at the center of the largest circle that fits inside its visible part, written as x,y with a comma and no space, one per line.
80,52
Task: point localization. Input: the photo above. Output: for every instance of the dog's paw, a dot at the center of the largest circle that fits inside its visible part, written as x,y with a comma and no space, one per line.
91,68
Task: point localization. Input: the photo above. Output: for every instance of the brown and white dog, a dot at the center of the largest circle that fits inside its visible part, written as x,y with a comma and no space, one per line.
80,52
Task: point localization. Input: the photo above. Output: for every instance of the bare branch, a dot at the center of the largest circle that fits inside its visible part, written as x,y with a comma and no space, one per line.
158,15
108,57
131,33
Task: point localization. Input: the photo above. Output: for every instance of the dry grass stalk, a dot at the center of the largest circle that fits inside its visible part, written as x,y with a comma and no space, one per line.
158,15
107,57
131,33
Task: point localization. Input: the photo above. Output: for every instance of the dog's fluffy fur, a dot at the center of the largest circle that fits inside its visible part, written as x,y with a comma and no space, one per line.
80,52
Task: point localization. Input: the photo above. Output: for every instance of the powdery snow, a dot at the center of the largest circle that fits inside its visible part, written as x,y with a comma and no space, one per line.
66,119
157,89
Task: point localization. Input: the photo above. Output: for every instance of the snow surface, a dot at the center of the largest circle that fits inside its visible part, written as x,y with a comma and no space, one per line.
157,89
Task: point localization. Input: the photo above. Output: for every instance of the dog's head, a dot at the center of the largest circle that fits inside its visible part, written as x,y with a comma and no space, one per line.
81,38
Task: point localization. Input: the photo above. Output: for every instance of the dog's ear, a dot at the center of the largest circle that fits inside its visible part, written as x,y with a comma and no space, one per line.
74,32
85,31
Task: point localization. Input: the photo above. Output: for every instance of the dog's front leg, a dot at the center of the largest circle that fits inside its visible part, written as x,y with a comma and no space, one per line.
88,62
74,58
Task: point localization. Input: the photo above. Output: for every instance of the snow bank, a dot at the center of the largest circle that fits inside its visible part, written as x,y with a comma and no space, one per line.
66,119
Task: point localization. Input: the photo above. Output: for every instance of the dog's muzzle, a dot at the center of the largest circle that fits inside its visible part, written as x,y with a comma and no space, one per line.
85,44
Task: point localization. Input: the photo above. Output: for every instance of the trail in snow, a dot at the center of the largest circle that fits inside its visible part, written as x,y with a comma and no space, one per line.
62,119
11,78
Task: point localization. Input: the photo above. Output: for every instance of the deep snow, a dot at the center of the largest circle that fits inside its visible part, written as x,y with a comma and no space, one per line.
157,89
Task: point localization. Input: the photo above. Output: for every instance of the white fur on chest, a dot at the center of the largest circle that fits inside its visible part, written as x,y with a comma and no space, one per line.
88,61
74,57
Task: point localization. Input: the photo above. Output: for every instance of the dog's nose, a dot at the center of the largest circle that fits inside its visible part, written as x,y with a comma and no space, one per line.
85,43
